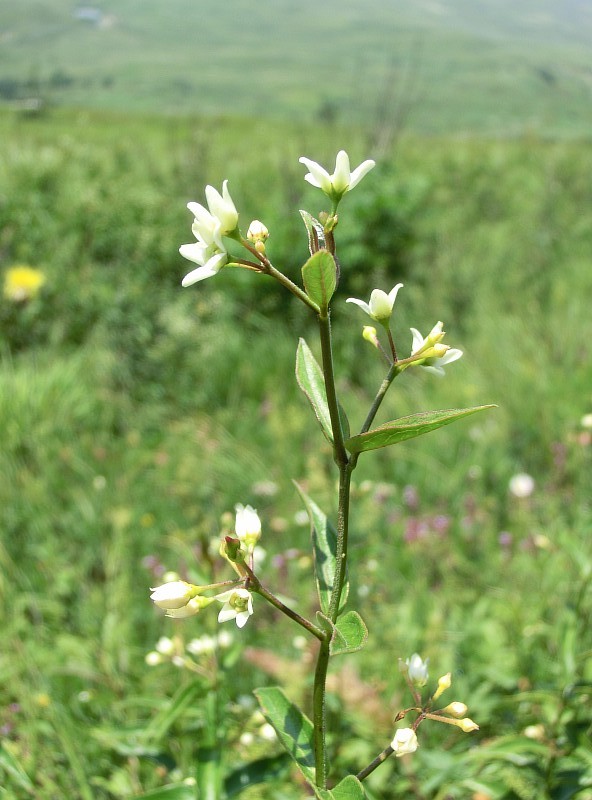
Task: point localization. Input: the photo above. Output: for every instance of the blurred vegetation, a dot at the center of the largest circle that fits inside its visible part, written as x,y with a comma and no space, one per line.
135,414
462,65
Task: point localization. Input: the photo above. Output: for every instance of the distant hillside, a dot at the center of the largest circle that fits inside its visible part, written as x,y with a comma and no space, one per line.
495,66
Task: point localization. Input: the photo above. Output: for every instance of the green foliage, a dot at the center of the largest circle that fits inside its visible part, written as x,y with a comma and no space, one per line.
324,541
293,728
123,397
491,68
400,430
320,278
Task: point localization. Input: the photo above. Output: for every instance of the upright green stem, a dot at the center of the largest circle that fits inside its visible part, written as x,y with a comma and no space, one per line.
345,468
342,538
339,451
319,715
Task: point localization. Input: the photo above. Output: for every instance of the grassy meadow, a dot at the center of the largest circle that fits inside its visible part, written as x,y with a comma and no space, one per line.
135,414
493,66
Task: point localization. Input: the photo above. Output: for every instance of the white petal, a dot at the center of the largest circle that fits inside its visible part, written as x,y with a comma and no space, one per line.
393,293
418,340
439,371
360,172
199,212
242,618
227,612
194,252
451,355
364,306
318,176
341,177
211,268
380,306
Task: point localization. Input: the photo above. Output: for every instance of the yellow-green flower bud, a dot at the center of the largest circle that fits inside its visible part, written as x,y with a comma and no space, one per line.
370,335
445,682
455,709
467,725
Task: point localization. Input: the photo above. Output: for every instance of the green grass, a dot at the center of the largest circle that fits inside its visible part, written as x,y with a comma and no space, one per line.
434,67
136,414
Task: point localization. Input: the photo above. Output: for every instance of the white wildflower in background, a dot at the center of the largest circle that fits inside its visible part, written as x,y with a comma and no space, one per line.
204,644
165,646
380,307
341,181
404,742
521,485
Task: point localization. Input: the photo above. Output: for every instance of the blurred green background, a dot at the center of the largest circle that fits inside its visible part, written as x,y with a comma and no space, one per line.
135,414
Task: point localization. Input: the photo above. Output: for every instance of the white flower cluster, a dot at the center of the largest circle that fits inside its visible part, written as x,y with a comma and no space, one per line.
180,599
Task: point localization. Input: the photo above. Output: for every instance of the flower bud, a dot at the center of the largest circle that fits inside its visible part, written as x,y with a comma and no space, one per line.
247,525
444,683
467,725
173,595
370,335
405,742
193,607
455,709
257,232
231,548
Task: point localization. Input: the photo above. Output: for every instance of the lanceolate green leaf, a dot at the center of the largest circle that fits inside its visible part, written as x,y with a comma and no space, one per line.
324,540
310,379
320,278
399,430
312,382
293,728
350,634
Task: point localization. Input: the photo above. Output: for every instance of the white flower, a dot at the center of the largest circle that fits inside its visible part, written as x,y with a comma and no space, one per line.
342,180
381,304
247,525
586,421
173,595
208,228
205,644
210,259
521,485
432,355
238,605
225,639
405,742
222,207
417,669
165,646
